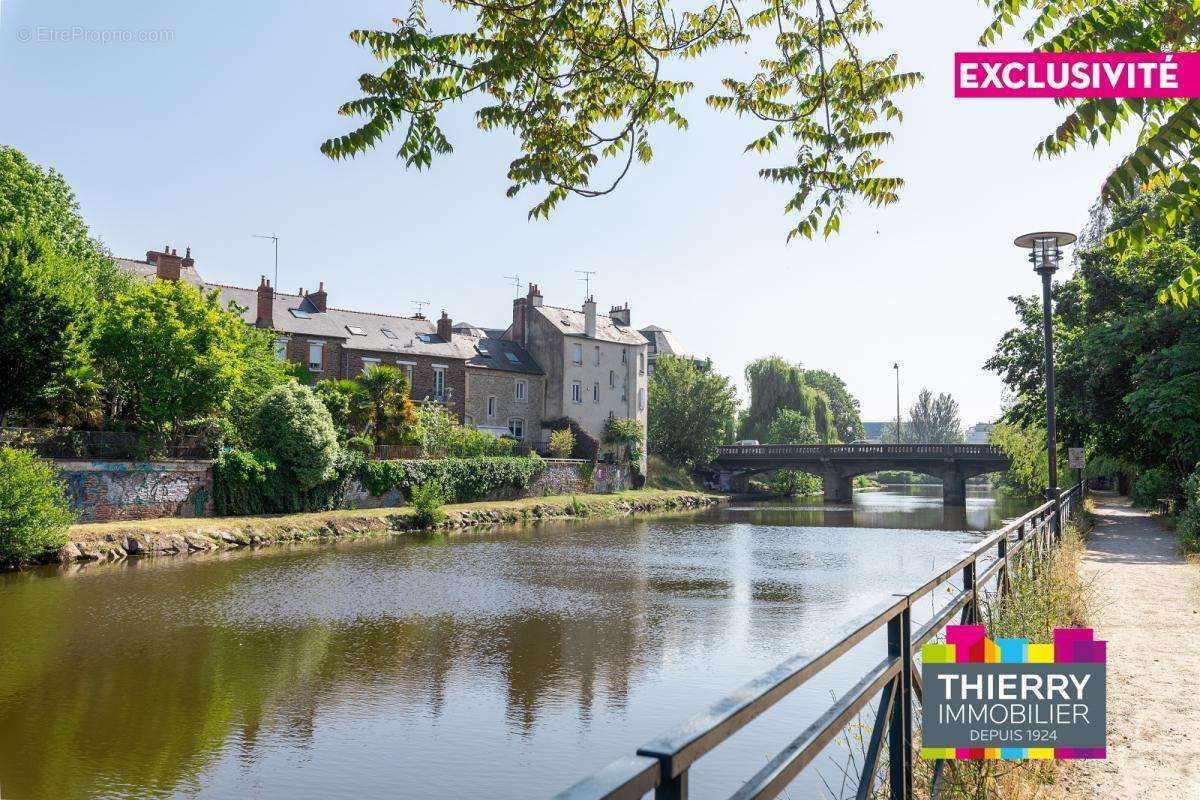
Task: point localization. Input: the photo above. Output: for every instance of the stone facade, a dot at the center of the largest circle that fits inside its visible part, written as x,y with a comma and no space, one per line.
498,391
104,491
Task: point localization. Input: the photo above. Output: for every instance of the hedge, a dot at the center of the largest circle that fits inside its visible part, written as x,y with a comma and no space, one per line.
464,479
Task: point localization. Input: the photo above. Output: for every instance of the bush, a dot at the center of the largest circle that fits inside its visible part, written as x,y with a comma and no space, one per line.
1188,525
361,444
586,445
297,430
562,443
461,479
1153,484
33,507
427,501
253,482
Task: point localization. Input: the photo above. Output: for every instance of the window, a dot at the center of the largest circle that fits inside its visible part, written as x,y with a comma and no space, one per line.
641,399
512,357
612,379
597,355
298,314
576,392
408,373
491,406
281,349
355,330
439,382
389,333
641,364
519,391
577,353
596,392
516,426
368,363
314,356
624,355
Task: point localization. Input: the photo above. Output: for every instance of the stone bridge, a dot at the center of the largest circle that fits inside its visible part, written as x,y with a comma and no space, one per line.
838,464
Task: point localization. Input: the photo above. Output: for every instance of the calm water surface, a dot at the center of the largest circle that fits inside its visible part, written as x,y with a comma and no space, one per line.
506,664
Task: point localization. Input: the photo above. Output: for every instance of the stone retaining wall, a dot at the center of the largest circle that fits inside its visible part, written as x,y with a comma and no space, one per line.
106,491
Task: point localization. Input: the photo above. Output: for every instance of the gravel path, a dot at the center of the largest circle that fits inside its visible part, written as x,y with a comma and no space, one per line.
1148,609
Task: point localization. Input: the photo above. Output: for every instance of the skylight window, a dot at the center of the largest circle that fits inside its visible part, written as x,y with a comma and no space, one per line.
355,330
298,314
389,333
512,357
429,338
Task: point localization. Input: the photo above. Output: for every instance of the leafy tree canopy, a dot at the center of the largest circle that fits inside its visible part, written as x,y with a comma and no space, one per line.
585,81
792,427
297,431
775,384
934,420
690,410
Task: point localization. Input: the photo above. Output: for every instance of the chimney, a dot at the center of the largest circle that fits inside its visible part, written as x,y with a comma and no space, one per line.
188,261
319,297
167,264
589,317
620,315
266,304
535,295
516,333
445,327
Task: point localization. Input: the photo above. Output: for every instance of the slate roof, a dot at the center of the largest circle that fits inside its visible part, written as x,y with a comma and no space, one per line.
570,322
412,336
664,342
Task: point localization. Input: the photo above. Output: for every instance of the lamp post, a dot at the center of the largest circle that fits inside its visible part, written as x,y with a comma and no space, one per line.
1044,254
896,367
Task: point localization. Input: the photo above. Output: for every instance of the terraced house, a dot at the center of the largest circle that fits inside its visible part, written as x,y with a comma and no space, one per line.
483,380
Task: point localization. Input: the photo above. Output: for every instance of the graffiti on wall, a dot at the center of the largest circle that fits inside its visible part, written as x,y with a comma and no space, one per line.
121,490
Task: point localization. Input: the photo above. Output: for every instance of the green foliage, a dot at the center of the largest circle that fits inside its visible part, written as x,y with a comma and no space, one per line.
168,352
440,434
427,501
39,202
587,447
689,411
383,404
34,516
1128,368
791,427
1154,484
258,371
627,436
934,420
843,406
579,83
795,483
256,482
1167,154
1025,447
1188,524
297,431
775,384
338,397
462,479
562,443
361,444
47,305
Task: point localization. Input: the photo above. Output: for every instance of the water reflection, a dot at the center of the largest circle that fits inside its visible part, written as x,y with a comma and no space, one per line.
501,664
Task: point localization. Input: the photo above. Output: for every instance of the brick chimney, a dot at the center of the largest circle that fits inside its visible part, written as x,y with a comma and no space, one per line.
445,327
535,295
319,297
620,315
519,330
167,263
589,317
266,304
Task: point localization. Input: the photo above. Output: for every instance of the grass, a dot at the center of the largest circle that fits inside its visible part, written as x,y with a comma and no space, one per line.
662,475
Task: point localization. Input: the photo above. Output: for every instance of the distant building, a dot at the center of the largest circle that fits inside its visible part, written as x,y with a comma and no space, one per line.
663,342
595,365
980,433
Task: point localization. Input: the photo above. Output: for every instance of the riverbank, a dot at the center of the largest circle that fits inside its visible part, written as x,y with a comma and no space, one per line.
110,541
1148,610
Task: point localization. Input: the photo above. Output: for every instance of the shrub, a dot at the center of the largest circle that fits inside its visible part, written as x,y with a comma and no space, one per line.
562,443
586,445
253,482
361,444
427,501
462,479
296,429
33,507
1188,525
1153,484
625,433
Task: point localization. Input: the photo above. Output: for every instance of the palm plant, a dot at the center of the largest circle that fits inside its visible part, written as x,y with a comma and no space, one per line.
383,407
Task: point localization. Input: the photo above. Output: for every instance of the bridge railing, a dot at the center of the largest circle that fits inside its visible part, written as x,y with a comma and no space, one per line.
829,450
662,765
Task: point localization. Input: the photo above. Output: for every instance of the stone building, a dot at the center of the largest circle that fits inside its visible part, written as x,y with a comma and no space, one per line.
664,343
338,343
595,365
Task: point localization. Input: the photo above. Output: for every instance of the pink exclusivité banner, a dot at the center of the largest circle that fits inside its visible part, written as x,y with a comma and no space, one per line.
990,74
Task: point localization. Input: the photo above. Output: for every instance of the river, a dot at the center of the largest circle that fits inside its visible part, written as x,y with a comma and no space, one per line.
502,664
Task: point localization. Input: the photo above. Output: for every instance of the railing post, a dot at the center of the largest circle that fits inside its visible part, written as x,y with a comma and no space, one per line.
674,789
970,614
900,751
1002,554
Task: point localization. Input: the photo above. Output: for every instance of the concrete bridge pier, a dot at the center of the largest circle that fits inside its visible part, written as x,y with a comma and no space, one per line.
837,487
954,488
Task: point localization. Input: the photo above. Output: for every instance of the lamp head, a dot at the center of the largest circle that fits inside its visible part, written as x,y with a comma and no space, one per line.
1044,247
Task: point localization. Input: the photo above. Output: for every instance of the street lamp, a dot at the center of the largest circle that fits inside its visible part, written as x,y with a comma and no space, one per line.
1044,254
896,367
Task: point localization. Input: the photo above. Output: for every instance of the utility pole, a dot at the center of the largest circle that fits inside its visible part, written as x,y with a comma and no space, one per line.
275,239
896,367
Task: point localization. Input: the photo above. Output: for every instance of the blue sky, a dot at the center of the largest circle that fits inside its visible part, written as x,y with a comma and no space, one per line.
203,130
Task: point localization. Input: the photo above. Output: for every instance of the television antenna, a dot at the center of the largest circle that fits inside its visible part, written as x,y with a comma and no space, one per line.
275,239
588,275
516,282
419,305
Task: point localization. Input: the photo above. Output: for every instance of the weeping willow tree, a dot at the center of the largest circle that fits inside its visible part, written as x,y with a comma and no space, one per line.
776,385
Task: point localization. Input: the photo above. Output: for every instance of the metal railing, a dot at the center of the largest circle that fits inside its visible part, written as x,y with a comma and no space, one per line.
827,450
64,443
662,765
